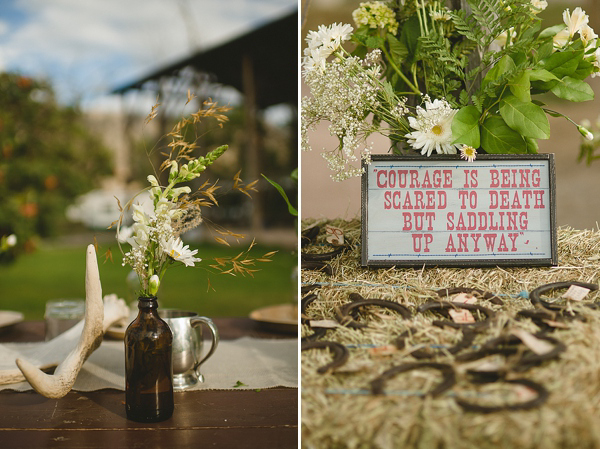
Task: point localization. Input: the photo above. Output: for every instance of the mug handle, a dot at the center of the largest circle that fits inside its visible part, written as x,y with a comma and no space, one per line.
199,320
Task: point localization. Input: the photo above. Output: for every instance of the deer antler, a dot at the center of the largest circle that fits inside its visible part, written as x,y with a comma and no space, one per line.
95,324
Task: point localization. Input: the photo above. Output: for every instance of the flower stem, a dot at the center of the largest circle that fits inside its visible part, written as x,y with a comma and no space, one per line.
399,72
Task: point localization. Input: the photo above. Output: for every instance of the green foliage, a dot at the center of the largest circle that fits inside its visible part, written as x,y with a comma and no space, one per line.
47,158
526,118
497,137
573,90
465,126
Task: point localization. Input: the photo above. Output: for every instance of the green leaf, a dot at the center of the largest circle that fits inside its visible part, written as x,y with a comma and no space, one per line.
239,383
409,37
520,86
518,57
375,42
562,63
504,65
544,50
573,90
397,49
584,69
291,209
526,118
465,126
463,97
532,145
498,137
551,31
541,75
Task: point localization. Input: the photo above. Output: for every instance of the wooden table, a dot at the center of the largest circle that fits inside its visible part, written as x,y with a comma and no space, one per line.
237,419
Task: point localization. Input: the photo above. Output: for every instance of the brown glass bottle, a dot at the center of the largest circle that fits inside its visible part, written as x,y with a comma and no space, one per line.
148,368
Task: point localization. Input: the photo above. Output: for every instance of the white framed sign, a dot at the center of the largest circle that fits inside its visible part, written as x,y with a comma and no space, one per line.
498,210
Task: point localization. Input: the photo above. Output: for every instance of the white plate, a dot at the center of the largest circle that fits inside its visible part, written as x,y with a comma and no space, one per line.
9,317
278,318
118,330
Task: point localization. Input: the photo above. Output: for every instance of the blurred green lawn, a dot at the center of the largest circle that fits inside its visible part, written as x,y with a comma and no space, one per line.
59,272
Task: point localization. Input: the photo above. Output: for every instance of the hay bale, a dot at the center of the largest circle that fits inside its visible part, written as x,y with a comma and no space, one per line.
338,410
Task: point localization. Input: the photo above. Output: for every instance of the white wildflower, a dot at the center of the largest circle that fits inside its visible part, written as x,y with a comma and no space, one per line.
124,233
501,40
376,15
468,153
441,16
11,240
153,284
596,63
587,35
539,5
433,128
561,38
323,43
174,248
575,21
343,94
585,132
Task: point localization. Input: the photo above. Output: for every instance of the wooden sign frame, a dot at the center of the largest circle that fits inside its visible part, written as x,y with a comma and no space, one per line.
522,185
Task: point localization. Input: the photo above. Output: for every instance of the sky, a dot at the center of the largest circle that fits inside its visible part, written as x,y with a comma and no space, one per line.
88,47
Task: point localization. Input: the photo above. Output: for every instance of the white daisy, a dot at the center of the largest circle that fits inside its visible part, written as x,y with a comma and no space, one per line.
175,250
468,153
433,127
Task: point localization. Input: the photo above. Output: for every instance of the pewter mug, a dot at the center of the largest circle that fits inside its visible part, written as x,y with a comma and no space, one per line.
187,345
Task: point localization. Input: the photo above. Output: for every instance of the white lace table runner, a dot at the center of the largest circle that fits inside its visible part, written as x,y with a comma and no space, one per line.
246,363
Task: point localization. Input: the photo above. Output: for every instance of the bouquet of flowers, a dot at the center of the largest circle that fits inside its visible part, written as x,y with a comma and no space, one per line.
434,78
155,237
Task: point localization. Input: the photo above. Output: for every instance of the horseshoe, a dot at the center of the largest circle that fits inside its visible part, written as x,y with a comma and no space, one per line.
318,333
444,292
448,381
465,342
317,266
342,313
508,345
309,235
535,295
443,306
541,398
304,303
340,353
323,257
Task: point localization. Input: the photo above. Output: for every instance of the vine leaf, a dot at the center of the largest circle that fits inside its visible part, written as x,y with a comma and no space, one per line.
527,118
465,126
498,137
573,90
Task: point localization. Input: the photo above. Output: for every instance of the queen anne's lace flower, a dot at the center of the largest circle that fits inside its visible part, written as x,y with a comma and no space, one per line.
433,128
343,94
